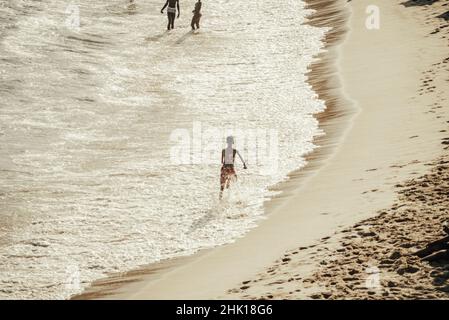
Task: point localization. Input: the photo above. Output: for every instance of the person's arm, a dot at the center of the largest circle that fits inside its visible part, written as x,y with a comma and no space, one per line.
165,6
222,156
179,11
243,161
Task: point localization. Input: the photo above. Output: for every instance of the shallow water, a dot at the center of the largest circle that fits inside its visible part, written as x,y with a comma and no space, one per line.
89,178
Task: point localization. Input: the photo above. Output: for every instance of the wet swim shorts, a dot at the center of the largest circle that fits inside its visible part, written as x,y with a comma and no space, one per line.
227,173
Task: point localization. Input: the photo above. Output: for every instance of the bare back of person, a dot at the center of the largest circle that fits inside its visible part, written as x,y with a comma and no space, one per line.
228,173
172,3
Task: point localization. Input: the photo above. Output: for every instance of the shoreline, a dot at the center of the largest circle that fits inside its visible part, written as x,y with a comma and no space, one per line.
324,78
375,257
389,142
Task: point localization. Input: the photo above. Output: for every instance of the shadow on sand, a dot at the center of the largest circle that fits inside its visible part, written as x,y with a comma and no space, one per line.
411,3
184,37
444,16
157,37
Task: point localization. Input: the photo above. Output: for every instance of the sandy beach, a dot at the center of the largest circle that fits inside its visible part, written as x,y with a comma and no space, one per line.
375,192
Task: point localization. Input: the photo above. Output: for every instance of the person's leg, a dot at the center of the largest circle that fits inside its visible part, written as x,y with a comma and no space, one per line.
198,22
228,183
192,24
222,182
173,20
170,20
232,178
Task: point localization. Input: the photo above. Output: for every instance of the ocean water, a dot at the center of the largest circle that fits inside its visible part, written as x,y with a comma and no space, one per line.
111,131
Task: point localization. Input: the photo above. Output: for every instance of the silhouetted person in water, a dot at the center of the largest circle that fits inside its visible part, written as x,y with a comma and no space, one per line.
196,15
171,12
227,161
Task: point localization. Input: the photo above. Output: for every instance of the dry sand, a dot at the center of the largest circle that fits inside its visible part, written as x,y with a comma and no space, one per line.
374,259
395,78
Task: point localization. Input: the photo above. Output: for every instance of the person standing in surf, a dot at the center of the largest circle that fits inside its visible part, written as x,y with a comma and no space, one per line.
196,15
172,6
227,160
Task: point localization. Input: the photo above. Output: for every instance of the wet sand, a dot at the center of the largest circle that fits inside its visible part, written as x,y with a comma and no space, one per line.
334,120
375,258
109,130
391,138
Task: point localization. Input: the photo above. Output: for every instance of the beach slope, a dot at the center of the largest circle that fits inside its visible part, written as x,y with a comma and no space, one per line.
396,130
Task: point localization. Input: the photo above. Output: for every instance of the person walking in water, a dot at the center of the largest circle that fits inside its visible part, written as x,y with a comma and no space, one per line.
173,5
196,15
227,161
